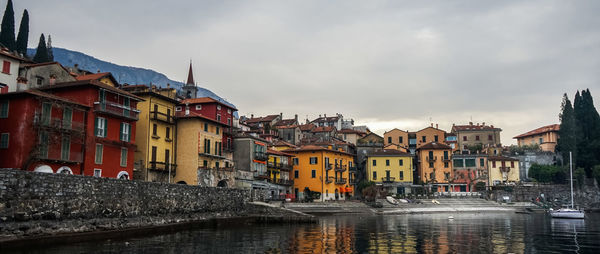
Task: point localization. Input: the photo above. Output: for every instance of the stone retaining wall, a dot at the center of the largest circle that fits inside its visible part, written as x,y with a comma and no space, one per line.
554,194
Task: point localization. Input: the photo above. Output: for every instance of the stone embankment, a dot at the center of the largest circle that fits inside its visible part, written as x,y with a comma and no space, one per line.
554,195
34,205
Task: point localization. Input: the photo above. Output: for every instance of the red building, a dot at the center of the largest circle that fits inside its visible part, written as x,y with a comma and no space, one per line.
216,111
41,132
109,125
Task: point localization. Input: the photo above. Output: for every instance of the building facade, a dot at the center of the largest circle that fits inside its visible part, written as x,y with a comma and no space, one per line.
397,137
469,169
476,134
503,170
391,169
546,137
435,166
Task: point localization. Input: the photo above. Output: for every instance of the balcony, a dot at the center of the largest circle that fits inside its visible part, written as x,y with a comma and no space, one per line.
216,156
431,159
215,168
281,166
56,123
329,179
504,169
261,156
45,155
160,116
228,131
388,179
446,159
117,110
261,175
340,168
285,182
162,167
340,181
328,166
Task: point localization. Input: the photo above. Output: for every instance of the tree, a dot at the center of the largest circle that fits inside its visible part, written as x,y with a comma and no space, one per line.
23,37
7,34
588,127
49,47
567,141
41,53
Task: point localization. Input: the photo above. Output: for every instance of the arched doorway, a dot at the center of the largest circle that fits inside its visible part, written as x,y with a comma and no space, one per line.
222,183
64,170
123,175
43,169
337,194
181,182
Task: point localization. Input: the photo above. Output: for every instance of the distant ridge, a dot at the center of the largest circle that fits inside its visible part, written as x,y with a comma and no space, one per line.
123,74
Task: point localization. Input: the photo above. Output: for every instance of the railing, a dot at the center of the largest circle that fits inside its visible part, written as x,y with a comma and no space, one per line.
446,158
211,155
219,168
329,179
328,166
57,123
340,181
388,179
162,166
261,156
74,157
160,116
432,159
504,169
279,166
261,175
340,168
285,182
116,110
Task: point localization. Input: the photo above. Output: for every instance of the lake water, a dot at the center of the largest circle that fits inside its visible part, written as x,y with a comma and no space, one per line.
428,233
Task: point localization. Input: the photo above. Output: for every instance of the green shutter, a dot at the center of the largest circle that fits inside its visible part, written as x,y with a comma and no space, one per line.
96,129
121,132
129,131
105,127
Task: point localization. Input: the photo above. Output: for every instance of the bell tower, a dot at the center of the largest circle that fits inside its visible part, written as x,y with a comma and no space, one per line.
190,88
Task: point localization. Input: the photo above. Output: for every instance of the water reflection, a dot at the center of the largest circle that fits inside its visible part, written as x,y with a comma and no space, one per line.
427,233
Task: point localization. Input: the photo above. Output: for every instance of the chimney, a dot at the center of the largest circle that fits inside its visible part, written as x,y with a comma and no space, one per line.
280,115
187,109
52,80
483,124
436,126
431,124
168,85
296,117
470,123
319,116
492,126
251,116
325,115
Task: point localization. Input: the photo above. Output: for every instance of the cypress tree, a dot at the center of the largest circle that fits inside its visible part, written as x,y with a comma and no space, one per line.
590,132
23,37
7,34
567,141
41,53
50,52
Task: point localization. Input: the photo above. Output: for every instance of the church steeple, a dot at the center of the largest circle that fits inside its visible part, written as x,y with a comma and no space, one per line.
189,88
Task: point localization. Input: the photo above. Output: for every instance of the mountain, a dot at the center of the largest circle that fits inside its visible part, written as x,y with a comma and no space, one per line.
123,74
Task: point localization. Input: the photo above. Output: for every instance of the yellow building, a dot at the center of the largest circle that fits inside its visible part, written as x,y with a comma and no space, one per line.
279,166
322,170
546,137
155,138
199,152
503,170
281,145
391,169
435,166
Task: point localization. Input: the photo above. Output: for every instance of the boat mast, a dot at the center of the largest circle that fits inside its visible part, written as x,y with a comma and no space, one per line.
571,173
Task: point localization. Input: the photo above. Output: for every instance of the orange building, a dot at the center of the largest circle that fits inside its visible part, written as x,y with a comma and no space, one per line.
435,165
430,134
322,170
546,137
396,137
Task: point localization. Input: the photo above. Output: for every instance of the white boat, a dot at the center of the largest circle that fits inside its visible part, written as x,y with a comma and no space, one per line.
391,200
403,200
569,213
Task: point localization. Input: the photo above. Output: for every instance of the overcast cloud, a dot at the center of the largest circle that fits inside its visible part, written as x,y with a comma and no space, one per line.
385,64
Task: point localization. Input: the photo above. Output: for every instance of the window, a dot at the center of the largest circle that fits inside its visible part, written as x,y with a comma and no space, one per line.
98,158
198,107
44,144
4,137
46,113
458,163
446,177
100,127
512,164
228,121
125,130
445,155
401,162
389,140
228,111
313,160
477,137
102,98
435,138
313,173
541,140
400,140
97,172
205,126
431,164
39,81
178,109
126,106
374,175
4,109
123,157
295,161
217,128
424,139
205,163
218,118
493,164
218,107
67,117
464,138
168,133
65,149
401,175
295,173
387,162
446,164
153,159
374,162
470,163
490,137
6,67
481,162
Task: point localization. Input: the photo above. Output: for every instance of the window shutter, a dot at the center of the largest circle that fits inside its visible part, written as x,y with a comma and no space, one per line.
96,129
129,133
105,127
121,133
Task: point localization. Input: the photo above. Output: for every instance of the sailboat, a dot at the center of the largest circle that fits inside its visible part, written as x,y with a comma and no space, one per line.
569,213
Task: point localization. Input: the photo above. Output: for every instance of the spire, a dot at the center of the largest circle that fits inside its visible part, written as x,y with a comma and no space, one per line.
190,79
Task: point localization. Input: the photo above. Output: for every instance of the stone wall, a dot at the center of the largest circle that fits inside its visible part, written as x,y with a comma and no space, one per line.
28,196
553,194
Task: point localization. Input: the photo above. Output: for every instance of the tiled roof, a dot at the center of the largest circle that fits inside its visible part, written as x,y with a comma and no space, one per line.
429,127
39,93
309,148
205,100
326,119
268,118
324,129
283,143
269,151
94,83
471,127
95,76
501,158
547,128
395,129
388,152
435,145
351,131
286,127
286,122
11,55
193,114
307,127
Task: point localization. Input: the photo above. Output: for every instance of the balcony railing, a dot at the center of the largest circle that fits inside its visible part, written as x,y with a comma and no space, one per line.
504,169
261,156
281,166
340,168
57,123
431,159
388,179
328,166
162,166
285,182
211,155
340,181
160,116
446,158
117,110
217,168
45,155
329,179
261,175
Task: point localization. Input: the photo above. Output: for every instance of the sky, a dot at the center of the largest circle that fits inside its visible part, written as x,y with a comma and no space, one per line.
385,64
